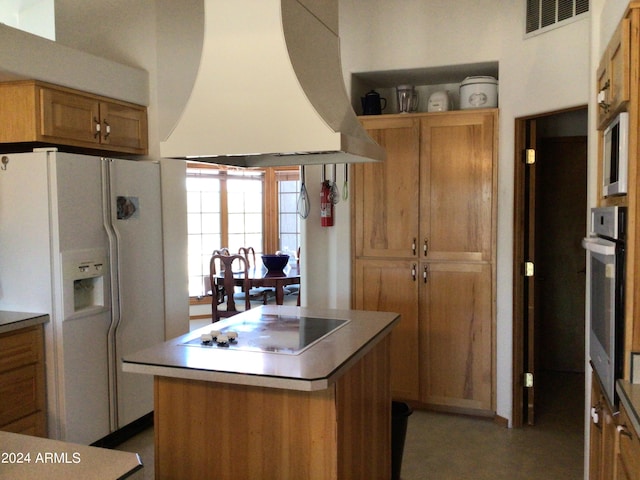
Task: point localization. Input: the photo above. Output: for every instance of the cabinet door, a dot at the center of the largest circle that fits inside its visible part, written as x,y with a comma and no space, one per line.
124,126
457,186
68,118
384,285
386,194
613,74
618,51
456,333
602,448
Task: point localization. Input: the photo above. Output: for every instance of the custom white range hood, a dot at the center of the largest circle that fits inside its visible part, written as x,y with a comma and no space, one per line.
269,89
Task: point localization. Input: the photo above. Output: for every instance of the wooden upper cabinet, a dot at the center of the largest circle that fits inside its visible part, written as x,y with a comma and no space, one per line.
613,74
457,181
387,203
51,115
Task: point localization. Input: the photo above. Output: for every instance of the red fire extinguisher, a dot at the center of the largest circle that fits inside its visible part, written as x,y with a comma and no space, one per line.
326,203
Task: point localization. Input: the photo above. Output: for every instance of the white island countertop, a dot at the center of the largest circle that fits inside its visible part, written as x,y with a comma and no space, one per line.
274,355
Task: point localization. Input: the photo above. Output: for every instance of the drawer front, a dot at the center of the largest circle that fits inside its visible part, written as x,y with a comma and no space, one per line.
34,425
18,393
19,348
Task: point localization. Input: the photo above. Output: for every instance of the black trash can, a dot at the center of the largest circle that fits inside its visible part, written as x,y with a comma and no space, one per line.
400,413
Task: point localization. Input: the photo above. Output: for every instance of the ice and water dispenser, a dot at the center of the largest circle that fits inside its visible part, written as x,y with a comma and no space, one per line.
85,282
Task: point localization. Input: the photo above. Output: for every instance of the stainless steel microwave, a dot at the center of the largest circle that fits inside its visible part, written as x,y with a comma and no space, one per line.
615,156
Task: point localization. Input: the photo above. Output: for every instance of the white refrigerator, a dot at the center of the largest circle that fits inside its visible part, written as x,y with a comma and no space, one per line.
81,239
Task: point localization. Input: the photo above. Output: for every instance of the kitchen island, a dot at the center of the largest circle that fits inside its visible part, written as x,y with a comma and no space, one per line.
302,393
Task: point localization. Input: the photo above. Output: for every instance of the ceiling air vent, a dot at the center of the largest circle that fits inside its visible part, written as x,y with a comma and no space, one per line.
543,15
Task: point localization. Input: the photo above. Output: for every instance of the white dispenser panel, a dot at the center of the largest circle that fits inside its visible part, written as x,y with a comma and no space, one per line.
85,282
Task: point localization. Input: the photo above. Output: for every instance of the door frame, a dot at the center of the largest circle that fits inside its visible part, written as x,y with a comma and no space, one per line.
521,132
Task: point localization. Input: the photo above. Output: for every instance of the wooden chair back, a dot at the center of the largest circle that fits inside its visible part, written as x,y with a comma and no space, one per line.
226,264
249,254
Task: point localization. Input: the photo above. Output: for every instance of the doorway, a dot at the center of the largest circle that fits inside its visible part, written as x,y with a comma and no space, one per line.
550,200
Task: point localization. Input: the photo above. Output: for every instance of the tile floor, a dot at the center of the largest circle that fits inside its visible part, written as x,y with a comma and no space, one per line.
452,447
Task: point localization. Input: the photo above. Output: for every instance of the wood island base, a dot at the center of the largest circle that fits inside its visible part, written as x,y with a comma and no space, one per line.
209,430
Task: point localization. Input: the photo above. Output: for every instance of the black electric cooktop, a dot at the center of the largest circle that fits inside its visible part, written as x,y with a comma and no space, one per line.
285,334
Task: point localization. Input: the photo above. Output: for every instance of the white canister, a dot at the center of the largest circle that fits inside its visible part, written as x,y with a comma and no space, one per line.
479,92
438,101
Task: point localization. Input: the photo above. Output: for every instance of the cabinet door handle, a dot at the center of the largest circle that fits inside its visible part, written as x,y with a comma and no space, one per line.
413,246
96,133
425,273
107,128
623,430
595,414
425,247
413,272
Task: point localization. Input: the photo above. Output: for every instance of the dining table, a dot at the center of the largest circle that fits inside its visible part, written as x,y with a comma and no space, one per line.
259,276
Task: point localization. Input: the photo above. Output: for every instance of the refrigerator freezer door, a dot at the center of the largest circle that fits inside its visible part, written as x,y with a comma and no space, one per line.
137,260
50,203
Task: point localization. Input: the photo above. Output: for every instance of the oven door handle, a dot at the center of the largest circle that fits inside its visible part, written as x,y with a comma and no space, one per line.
599,245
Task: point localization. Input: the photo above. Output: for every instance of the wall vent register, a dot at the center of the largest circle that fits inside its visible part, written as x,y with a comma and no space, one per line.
544,15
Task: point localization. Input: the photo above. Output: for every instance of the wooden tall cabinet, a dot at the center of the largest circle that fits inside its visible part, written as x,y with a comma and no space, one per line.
424,246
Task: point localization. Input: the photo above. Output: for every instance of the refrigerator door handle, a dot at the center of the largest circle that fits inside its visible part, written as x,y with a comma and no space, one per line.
113,241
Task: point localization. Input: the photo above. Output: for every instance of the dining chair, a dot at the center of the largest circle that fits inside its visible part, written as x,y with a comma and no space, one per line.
218,290
295,288
226,264
255,293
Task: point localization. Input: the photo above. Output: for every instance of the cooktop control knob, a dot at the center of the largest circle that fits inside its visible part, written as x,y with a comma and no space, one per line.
222,340
206,339
232,336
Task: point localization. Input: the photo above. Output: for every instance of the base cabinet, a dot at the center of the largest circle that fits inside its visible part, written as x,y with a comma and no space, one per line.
424,246
456,336
206,430
602,435
628,456
22,384
392,287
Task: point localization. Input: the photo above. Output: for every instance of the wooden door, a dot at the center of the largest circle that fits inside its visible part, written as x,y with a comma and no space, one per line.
530,292
124,126
391,286
385,194
456,334
457,181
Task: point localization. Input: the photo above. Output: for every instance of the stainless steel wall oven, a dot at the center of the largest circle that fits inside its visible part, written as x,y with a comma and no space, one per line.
606,269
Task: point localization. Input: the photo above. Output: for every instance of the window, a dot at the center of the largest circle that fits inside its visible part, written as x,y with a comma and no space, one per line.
289,220
32,16
203,225
232,208
543,15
